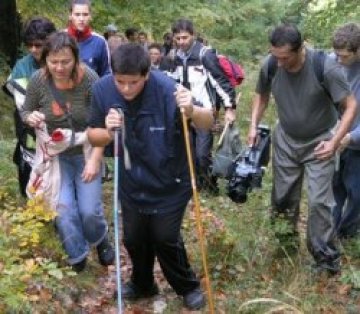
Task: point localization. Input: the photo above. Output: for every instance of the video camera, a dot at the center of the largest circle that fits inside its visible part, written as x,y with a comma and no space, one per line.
247,169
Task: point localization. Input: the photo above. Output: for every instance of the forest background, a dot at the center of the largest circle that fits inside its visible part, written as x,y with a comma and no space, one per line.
241,243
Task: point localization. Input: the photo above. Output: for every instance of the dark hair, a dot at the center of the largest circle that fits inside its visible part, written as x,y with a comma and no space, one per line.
131,59
286,34
143,33
347,37
131,31
80,2
183,25
56,42
154,45
168,36
38,28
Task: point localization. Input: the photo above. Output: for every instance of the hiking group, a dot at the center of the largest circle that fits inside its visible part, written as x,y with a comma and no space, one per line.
74,88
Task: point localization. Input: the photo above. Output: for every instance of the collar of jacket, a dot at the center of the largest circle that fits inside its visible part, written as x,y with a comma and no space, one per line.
79,35
145,100
193,51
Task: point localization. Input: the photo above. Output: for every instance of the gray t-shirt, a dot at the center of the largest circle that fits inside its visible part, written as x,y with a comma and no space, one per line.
304,108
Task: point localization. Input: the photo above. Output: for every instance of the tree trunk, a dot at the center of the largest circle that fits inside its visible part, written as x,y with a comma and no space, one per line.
9,31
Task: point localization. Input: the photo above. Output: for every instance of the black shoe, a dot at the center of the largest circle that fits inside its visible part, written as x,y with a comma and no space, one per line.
348,235
79,267
330,268
131,292
105,252
194,300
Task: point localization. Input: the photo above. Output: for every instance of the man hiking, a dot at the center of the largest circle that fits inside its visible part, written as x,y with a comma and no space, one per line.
305,139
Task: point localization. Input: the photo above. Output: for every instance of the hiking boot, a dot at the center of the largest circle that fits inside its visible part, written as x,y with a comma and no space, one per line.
194,300
105,252
79,267
131,292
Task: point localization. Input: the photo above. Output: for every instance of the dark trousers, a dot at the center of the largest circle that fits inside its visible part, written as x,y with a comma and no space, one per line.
203,140
147,236
24,170
346,191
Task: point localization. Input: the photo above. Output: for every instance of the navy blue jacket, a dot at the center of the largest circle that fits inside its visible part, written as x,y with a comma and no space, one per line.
158,180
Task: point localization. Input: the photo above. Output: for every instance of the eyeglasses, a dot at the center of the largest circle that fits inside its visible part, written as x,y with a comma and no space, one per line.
35,45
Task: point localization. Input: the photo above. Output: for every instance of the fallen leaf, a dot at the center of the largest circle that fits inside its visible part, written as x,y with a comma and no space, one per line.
344,289
33,298
45,295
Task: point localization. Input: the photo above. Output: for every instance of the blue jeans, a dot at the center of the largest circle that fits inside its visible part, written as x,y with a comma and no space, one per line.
80,219
346,184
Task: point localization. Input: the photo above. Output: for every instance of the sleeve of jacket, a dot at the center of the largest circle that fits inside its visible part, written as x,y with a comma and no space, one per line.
218,79
105,57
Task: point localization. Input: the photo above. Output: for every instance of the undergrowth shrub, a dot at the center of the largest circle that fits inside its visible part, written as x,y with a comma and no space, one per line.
30,253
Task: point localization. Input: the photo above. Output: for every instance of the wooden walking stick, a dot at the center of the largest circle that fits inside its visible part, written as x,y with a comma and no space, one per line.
197,212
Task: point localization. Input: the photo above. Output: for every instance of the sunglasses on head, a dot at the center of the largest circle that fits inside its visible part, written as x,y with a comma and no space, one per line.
35,45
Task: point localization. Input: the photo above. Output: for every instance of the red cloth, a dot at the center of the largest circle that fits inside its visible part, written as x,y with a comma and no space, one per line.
79,35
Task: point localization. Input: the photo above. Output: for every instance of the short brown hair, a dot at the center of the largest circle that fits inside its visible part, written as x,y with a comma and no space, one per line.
55,43
347,37
81,2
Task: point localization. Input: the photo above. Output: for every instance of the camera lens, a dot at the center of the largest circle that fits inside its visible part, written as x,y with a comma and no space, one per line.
237,190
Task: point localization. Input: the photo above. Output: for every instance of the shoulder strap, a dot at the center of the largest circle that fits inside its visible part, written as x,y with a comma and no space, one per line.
272,67
319,57
62,103
318,63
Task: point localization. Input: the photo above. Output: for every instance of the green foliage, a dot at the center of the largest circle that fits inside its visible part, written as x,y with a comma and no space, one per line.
24,237
238,28
29,223
324,17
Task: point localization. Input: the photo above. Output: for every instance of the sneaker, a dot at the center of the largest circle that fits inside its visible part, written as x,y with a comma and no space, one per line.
79,267
105,252
131,292
194,300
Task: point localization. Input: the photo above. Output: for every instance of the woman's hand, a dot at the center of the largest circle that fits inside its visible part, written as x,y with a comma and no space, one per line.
91,170
35,118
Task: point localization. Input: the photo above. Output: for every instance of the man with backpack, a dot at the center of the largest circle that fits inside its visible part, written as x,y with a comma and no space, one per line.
198,69
305,139
346,43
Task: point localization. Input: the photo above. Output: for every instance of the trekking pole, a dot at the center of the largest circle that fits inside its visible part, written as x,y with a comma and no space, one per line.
116,218
197,211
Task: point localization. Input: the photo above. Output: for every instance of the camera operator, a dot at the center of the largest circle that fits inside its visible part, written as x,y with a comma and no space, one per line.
305,138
